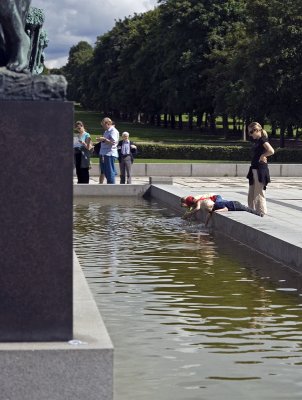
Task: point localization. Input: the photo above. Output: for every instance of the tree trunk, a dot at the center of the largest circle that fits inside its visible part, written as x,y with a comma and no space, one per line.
180,124
199,120
244,130
212,123
172,121
225,125
158,119
165,120
290,131
234,125
282,136
274,128
190,121
152,119
206,121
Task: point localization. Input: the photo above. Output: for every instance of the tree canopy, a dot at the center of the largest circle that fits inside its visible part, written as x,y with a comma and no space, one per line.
239,58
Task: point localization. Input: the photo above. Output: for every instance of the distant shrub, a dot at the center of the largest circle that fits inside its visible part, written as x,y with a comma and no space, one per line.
187,152
287,156
208,152
205,152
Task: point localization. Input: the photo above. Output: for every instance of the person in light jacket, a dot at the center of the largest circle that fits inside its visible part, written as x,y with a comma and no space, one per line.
108,150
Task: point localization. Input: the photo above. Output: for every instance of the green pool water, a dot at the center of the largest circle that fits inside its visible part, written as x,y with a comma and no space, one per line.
192,316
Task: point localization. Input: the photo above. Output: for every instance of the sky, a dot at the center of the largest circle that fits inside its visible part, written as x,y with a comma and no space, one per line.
67,22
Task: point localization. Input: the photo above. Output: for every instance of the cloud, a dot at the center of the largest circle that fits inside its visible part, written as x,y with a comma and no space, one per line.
69,21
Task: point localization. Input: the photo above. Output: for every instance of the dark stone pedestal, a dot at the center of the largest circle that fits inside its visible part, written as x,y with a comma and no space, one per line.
36,221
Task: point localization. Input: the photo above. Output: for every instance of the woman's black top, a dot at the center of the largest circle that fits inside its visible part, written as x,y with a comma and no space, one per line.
262,167
258,149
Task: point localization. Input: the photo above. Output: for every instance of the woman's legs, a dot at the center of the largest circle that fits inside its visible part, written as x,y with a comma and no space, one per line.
256,195
241,207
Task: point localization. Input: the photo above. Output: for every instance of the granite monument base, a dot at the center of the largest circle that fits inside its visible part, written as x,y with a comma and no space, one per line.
79,369
36,221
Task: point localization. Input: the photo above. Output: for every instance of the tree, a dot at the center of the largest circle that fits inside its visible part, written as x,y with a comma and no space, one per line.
74,71
267,62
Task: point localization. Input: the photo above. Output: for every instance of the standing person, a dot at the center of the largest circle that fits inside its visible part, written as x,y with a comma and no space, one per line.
82,153
108,151
258,174
125,149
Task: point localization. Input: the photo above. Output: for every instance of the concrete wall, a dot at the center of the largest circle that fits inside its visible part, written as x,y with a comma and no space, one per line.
205,170
109,190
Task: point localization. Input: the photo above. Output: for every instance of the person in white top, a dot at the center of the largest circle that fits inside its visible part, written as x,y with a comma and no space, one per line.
108,151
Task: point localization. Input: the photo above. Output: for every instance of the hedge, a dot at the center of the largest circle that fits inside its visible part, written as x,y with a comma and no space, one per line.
204,152
207,152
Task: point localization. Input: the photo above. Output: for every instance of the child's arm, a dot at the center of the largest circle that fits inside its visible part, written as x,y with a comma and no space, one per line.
192,211
208,217
188,214
222,209
211,212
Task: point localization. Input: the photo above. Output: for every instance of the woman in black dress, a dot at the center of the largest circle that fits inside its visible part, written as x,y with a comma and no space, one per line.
258,175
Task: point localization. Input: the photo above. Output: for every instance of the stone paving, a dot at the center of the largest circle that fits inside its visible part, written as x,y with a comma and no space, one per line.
218,182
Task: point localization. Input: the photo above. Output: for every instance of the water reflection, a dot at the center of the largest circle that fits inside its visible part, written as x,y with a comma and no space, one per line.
191,316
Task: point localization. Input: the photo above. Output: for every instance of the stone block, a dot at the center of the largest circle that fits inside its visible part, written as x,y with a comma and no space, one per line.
291,170
161,180
36,221
211,169
168,169
242,169
139,169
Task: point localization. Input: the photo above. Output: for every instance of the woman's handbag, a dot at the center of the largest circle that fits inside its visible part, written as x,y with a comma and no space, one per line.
96,149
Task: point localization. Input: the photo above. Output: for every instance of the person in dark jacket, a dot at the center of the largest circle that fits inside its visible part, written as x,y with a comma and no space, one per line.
82,147
258,174
126,149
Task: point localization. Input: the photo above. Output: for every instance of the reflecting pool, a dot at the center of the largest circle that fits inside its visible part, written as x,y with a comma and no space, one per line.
192,316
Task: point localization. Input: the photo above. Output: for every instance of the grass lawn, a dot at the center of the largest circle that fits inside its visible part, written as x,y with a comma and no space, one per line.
152,134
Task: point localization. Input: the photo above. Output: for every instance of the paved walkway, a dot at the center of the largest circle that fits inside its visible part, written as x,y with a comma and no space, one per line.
231,182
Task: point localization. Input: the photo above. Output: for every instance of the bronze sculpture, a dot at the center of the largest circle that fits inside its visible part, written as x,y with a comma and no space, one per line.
22,44
14,42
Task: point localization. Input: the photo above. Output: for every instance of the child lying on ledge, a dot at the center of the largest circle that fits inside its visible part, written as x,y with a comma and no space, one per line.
221,204
193,203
